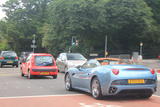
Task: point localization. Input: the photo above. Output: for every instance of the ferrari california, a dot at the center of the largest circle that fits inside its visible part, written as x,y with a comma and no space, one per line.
110,80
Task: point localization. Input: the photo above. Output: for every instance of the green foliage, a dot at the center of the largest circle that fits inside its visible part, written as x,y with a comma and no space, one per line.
24,18
55,22
126,22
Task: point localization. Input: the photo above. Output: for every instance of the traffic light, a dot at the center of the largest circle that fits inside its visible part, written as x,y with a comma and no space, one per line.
75,42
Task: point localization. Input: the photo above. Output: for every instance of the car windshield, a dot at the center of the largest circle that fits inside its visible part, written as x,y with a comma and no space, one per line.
105,60
75,57
10,54
43,61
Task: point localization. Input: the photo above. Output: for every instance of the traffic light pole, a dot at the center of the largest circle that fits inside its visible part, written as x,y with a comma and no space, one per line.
33,43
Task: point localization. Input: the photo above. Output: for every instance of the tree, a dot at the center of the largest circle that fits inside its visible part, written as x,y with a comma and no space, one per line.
26,17
124,21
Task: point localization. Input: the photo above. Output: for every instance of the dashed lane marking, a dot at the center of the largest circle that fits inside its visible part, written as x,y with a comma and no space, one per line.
4,74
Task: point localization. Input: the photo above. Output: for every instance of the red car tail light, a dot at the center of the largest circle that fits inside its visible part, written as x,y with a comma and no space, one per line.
1,57
152,71
115,71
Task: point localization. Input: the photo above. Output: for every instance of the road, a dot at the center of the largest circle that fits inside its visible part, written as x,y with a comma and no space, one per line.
46,92
12,84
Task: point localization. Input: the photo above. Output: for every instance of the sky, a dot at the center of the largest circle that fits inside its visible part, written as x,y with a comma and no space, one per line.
2,14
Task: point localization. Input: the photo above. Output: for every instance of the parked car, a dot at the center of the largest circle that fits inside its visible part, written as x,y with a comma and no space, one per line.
104,80
8,58
68,60
39,64
23,56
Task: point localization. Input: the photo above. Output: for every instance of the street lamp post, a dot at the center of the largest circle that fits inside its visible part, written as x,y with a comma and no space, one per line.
105,48
141,46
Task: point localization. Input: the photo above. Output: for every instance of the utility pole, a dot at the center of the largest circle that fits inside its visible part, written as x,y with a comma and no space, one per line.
105,50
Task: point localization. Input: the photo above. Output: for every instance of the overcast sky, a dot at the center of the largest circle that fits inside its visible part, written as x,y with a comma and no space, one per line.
2,13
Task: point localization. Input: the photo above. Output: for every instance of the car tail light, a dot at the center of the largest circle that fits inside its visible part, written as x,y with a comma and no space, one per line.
152,71
1,57
16,57
115,71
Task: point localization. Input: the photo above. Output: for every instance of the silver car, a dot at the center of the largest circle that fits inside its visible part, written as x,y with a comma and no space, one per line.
69,60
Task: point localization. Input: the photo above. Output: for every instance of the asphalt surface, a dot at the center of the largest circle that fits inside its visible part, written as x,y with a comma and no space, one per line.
17,91
12,84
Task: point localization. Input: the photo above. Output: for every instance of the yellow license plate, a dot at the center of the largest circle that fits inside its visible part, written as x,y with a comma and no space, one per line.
9,61
136,81
44,73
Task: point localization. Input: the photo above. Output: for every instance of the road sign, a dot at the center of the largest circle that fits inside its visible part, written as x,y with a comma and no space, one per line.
106,53
33,46
93,54
33,41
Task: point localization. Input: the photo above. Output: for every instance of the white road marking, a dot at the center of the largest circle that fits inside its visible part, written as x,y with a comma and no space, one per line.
97,105
155,95
39,96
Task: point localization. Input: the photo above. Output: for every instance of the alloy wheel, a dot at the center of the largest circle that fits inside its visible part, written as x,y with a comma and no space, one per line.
96,90
68,82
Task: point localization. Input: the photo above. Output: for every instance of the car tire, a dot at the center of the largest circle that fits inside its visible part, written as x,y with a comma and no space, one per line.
29,75
22,74
96,89
146,96
68,84
54,76
1,65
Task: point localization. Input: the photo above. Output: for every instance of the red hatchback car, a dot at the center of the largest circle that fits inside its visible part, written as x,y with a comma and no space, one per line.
39,64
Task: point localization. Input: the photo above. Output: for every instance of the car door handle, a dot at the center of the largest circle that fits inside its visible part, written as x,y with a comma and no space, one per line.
73,74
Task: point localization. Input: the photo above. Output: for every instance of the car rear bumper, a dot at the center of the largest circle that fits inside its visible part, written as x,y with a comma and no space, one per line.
9,62
46,72
129,89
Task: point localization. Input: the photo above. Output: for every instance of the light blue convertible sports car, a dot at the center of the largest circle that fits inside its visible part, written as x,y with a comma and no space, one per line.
112,79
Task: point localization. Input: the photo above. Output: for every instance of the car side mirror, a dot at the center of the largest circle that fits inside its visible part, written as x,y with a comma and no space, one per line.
63,59
79,67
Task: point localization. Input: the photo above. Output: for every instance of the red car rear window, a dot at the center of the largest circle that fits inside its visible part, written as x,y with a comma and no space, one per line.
44,61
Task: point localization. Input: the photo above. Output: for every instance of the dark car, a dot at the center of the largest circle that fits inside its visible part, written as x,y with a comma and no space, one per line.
24,56
8,58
